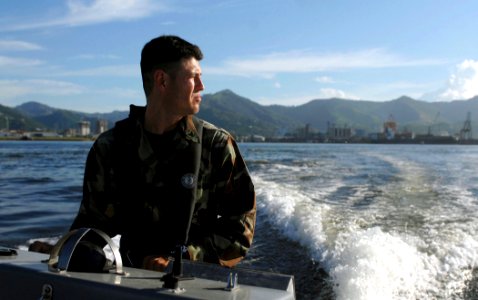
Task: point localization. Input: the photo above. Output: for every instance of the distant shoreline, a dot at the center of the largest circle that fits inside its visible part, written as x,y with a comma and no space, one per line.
46,139
379,142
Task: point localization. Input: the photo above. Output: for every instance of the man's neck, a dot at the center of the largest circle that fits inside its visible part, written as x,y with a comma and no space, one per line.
158,121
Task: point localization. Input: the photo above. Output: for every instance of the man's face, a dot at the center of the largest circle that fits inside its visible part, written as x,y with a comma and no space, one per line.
184,88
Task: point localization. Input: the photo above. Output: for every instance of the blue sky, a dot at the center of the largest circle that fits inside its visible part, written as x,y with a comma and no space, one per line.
84,54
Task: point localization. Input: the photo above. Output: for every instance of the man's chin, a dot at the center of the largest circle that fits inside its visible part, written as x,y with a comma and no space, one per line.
195,109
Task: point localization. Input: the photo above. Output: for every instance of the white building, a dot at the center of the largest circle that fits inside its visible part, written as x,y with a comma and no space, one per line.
84,128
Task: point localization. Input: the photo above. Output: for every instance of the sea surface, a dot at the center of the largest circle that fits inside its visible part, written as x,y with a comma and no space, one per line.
349,221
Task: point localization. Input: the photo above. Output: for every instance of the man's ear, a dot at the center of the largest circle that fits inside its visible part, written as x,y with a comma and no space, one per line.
160,78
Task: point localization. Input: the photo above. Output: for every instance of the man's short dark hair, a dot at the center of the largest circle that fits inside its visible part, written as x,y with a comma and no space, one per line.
164,52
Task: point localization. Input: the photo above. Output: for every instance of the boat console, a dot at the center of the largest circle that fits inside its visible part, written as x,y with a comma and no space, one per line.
30,275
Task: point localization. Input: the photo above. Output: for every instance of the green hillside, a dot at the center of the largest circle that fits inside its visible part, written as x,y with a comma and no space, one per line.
12,119
242,116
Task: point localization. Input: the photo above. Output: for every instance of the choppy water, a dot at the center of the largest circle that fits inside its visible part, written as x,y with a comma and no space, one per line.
349,221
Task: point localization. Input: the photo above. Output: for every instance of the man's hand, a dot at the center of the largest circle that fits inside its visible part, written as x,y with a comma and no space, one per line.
41,247
155,263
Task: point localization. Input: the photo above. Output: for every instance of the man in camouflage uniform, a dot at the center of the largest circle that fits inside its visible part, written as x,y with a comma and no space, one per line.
162,177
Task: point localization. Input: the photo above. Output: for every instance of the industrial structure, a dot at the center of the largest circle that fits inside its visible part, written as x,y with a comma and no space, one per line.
84,128
465,132
101,126
338,134
390,128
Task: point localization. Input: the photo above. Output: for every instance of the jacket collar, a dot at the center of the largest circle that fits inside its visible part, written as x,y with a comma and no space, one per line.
185,126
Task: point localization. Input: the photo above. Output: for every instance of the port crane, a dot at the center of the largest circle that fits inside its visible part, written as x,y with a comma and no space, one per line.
465,132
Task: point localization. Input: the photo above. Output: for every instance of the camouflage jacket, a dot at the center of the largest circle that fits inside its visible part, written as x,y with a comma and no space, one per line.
140,190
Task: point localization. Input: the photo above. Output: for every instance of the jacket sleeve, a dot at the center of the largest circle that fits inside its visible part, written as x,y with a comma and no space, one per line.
234,200
97,208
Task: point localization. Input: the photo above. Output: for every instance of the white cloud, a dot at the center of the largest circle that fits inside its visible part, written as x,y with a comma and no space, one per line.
98,11
14,88
82,12
335,93
324,79
13,62
67,95
277,85
285,100
268,66
97,56
394,89
288,100
13,45
463,83
118,71
121,93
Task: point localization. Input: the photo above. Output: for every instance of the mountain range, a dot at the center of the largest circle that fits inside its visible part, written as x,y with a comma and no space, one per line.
242,116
